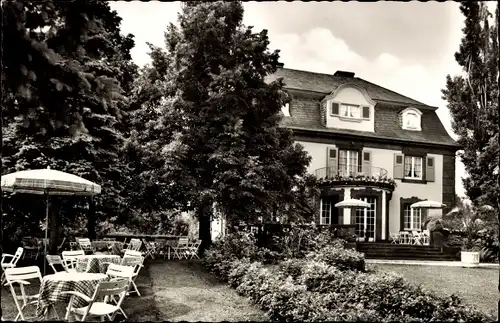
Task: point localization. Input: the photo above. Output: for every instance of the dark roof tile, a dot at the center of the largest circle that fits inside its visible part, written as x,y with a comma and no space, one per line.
305,113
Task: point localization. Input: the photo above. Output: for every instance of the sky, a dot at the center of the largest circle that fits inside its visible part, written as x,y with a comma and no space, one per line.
406,47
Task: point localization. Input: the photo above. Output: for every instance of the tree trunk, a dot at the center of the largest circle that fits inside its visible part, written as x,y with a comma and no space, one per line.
91,219
204,217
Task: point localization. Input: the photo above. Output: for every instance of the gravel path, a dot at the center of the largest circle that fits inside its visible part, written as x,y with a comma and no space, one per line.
185,291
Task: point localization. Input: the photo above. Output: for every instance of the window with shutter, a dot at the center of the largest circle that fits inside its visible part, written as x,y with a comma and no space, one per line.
429,171
367,171
335,109
398,166
331,162
366,112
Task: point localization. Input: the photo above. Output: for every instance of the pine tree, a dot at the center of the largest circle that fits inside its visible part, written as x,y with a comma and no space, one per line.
222,119
473,102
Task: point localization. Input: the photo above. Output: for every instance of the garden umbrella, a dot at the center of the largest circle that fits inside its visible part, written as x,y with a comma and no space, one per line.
427,205
48,182
352,203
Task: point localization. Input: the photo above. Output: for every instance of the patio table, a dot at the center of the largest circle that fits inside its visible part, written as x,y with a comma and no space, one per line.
53,285
96,263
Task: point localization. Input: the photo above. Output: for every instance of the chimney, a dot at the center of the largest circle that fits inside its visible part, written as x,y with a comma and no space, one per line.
344,74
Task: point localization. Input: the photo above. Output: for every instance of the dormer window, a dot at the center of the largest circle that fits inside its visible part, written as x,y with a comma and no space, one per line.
351,111
286,110
411,119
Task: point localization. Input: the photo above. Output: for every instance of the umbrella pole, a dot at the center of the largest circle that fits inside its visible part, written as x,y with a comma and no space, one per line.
46,231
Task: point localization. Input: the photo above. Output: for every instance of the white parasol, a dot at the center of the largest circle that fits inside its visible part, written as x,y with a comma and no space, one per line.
350,203
427,205
48,182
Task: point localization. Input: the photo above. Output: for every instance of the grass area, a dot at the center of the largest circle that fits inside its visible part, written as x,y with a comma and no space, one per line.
171,291
477,287
185,291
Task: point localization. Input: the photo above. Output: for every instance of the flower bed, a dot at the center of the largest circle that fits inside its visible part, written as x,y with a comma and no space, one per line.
361,180
332,284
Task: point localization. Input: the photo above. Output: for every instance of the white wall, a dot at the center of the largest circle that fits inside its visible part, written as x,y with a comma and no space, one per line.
384,158
350,95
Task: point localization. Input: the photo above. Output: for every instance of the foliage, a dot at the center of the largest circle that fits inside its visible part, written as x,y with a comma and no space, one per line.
473,103
306,290
470,220
363,180
343,259
72,118
218,126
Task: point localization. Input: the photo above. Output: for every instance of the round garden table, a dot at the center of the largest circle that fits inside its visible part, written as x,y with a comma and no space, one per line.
53,285
96,263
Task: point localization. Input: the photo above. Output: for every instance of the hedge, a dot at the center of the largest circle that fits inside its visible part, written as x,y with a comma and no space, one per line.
326,288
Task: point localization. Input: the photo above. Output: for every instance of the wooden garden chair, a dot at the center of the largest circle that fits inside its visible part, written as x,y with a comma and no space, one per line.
22,276
12,263
85,244
181,248
394,237
150,248
103,309
137,263
70,259
54,260
120,271
192,249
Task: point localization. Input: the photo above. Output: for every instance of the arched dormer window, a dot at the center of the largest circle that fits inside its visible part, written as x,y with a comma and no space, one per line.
411,119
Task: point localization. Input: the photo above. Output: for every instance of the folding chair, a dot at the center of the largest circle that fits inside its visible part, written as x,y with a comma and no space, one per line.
85,244
394,237
31,248
132,253
181,248
70,259
137,263
54,260
150,248
134,244
426,237
119,271
103,309
21,276
12,263
192,249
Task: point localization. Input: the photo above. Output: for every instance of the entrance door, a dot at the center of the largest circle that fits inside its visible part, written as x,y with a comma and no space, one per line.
365,220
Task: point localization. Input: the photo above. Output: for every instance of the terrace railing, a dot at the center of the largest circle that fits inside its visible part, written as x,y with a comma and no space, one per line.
350,171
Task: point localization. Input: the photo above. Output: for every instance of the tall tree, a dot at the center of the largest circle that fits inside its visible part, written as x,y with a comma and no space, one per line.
473,102
226,146
100,57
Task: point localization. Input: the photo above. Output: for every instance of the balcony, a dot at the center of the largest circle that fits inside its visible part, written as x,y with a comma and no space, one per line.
355,175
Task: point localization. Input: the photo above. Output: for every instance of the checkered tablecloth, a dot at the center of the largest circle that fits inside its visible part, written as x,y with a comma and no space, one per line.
53,285
96,263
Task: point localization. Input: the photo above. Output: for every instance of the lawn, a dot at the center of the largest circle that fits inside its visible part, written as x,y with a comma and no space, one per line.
476,286
171,291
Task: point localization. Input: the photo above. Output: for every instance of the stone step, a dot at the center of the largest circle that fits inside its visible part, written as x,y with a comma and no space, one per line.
412,257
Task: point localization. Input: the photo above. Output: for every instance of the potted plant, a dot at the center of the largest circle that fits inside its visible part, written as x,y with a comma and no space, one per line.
470,220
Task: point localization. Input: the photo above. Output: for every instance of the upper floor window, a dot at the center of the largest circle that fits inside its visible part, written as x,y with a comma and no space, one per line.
348,162
411,119
351,111
413,167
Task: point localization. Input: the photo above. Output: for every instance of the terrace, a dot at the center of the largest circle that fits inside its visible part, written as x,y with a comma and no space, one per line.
355,175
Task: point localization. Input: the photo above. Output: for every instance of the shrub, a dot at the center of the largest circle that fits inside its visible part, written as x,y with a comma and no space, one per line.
344,259
292,268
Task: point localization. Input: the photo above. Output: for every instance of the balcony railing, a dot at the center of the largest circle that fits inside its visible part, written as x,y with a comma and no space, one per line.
351,171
